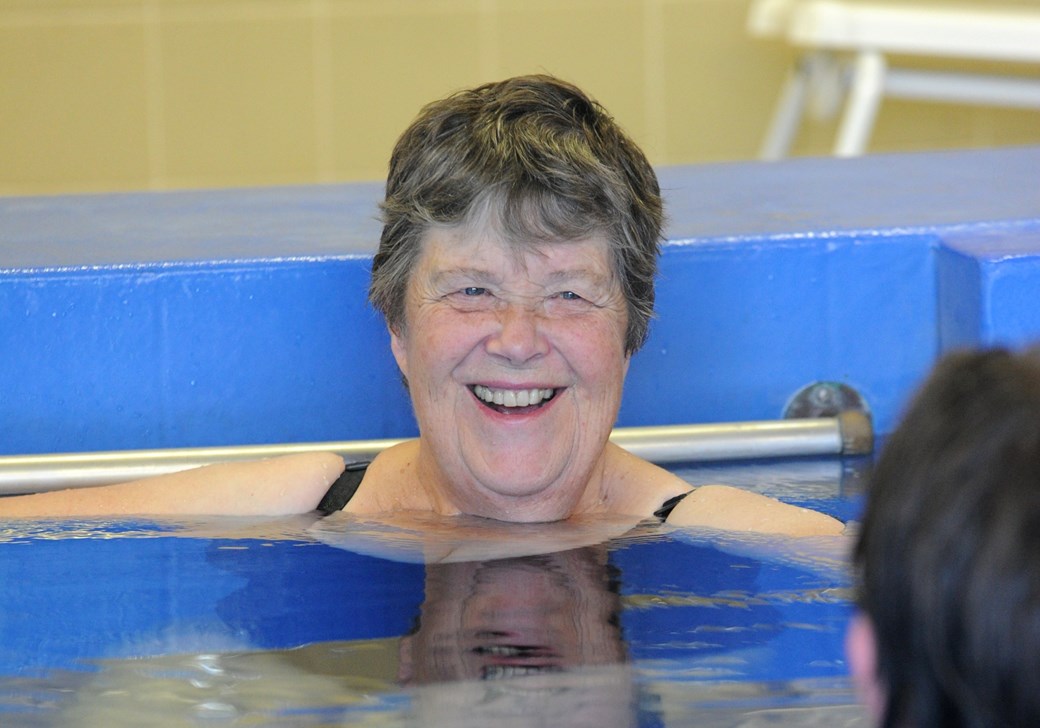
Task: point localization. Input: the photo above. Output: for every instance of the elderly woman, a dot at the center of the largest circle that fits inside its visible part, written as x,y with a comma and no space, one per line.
516,274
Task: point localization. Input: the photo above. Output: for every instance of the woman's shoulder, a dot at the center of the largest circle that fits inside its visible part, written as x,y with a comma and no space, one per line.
639,486
650,489
725,507
344,488
390,483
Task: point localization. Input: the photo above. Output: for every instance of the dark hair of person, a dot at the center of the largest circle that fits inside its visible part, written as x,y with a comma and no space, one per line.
948,558
544,162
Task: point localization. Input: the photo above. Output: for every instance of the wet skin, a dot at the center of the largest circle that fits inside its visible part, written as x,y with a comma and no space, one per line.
485,319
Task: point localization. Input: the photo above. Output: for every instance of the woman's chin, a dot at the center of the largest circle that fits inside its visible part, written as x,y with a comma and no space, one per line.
508,487
528,499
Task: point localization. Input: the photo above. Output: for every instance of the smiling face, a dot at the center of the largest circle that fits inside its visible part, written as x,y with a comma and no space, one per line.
532,616
519,642
515,360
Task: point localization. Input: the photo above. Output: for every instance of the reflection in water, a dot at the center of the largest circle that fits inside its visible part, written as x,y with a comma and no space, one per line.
657,627
526,616
523,641
566,639
533,640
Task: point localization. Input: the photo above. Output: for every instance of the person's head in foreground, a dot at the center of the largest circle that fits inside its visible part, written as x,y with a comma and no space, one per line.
949,554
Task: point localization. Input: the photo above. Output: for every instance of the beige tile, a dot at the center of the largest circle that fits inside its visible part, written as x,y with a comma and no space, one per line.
79,7
596,44
904,125
385,66
238,101
232,9
1007,127
909,125
721,84
230,92
72,108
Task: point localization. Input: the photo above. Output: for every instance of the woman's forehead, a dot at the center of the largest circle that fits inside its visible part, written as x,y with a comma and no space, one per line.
486,251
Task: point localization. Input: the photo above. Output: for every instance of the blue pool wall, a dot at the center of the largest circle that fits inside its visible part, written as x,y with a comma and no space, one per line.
171,319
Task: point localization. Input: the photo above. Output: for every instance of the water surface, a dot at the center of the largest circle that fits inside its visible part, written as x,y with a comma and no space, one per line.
302,622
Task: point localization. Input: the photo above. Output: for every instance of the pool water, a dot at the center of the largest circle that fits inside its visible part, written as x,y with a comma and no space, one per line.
288,623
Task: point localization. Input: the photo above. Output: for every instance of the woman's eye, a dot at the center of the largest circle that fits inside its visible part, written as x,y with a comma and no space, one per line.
472,298
568,303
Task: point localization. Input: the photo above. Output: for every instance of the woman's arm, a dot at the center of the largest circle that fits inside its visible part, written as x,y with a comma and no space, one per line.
727,508
276,487
748,524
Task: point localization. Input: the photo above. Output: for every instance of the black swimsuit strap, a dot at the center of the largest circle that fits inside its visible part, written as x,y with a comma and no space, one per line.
669,505
346,485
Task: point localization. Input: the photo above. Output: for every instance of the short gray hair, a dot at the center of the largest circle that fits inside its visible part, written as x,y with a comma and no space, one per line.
548,162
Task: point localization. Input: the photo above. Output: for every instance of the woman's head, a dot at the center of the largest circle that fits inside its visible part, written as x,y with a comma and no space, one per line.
538,160
948,555
545,612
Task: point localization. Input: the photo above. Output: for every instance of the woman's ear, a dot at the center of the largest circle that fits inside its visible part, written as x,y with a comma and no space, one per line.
405,666
861,653
397,346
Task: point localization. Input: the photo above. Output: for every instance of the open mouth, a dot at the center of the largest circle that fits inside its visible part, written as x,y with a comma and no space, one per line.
510,661
512,401
507,672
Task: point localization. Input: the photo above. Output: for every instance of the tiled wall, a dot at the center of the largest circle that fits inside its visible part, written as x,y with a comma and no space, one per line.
160,94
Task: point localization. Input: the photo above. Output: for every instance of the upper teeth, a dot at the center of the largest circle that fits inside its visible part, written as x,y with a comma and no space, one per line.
512,397
500,672
502,650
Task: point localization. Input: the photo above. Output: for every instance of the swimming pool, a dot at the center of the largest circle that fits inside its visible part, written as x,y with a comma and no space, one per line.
237,317
259,622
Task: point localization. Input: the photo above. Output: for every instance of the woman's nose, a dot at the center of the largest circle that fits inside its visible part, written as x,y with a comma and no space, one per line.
519,336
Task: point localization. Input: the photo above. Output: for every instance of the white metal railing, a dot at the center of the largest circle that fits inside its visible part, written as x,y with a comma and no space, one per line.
848,433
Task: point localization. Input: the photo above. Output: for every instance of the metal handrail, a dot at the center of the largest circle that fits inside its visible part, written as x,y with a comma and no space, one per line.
848,433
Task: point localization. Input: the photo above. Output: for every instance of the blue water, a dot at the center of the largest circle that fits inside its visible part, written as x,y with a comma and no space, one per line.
232,622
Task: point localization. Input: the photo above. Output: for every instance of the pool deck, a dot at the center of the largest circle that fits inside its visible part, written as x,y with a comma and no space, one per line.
224,317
